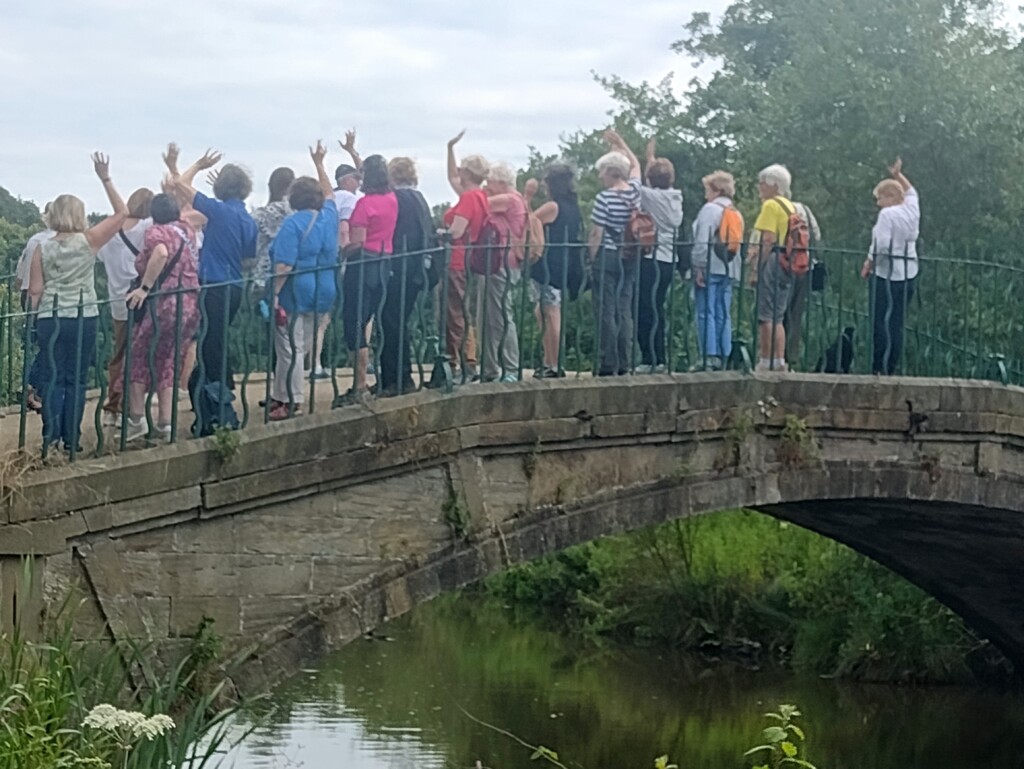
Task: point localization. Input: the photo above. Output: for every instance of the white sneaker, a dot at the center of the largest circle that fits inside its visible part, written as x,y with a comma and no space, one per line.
644,369
163,433
135,429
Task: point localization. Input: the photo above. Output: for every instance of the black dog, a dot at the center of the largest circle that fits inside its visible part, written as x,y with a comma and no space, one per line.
839,357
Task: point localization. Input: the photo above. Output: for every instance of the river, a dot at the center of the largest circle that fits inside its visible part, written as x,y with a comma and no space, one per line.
402,701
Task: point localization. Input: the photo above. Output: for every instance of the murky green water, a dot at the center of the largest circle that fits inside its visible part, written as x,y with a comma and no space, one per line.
399,703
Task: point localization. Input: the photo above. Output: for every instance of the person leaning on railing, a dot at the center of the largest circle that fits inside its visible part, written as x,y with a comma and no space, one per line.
612,279
893,264
714,271
118,257
664,204
62,290
305,259
496,311
229,241
168,294
560,271
368,268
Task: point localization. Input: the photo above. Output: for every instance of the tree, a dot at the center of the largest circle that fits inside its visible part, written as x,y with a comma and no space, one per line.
836,90
17,211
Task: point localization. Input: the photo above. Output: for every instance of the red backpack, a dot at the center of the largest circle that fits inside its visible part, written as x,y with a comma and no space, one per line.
794,251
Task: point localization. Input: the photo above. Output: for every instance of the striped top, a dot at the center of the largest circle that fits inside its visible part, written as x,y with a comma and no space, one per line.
612,209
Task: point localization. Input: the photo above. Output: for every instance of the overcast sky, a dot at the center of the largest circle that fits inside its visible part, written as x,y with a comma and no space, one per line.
261,79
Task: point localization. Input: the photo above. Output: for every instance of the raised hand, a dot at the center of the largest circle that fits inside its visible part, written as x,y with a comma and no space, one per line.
101,164
319,152
211,178
171,157
612,139
457,138
652,146
896,168
209,159
349,145
532,185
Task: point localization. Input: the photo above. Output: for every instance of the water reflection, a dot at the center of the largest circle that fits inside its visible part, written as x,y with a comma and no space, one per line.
396,704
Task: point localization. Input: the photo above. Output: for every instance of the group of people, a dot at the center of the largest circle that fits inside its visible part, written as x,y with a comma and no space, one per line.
178,262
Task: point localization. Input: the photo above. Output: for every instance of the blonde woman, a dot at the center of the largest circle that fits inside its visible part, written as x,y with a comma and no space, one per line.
62,290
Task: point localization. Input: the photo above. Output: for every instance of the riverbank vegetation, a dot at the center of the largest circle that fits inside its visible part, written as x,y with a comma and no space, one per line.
58,700
749,588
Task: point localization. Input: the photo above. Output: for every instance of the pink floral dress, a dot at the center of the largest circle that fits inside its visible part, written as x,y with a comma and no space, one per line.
161,339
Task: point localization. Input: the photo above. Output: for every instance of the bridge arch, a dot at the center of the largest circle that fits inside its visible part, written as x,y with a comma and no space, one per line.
319,529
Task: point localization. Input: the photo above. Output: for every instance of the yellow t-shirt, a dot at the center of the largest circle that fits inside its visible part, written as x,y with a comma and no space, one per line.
775,218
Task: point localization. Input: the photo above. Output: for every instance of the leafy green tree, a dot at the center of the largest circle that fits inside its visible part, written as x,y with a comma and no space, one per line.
17,211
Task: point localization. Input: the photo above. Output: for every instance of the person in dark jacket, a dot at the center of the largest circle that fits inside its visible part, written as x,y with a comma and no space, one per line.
413,235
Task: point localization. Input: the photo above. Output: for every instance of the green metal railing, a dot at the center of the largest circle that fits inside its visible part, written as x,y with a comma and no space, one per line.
956,322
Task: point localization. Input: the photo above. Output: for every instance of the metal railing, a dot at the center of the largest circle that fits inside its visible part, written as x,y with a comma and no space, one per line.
954,320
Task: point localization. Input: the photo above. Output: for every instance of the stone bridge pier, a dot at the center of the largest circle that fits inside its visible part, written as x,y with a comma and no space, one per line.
320,528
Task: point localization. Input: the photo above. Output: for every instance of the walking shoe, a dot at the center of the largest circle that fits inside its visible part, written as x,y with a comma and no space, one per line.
352,398
661,368
644,369
162,433
322,373
281,412
509,378
135,429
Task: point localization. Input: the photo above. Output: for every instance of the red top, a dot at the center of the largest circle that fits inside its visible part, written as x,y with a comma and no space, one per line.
472,207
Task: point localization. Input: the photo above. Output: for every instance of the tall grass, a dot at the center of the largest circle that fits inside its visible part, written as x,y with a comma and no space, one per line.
47,688
742,584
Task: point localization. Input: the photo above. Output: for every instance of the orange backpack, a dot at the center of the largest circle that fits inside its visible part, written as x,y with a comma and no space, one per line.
794,252
729,237
534,237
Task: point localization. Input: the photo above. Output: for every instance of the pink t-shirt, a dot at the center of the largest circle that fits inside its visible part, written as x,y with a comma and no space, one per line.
378,214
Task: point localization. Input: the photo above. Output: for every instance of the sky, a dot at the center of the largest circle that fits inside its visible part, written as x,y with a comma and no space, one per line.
261,80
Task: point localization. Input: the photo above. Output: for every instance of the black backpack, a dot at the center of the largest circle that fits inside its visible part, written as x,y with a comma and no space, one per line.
414,231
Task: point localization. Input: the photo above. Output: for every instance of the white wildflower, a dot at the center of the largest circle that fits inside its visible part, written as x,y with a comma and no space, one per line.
127,722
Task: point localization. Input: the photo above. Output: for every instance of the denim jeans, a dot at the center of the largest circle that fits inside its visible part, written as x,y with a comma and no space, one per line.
714,322
59,375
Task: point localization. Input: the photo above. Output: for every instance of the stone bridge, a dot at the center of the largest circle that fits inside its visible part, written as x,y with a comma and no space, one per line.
305,534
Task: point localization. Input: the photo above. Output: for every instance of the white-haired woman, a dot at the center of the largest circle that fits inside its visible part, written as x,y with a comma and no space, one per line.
62,288
497,310
893,263
774,283
713,273
613,280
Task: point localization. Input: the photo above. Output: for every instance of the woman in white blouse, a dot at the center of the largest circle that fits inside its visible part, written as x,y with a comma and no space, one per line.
892,266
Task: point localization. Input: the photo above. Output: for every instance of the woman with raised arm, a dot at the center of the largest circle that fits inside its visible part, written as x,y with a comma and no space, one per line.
464,221
372,233
168,268
560,270
613,280
892,264
62,289
305,259
664,204
229,239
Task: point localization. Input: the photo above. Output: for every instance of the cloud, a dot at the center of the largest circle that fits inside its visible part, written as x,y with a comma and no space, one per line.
262,79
